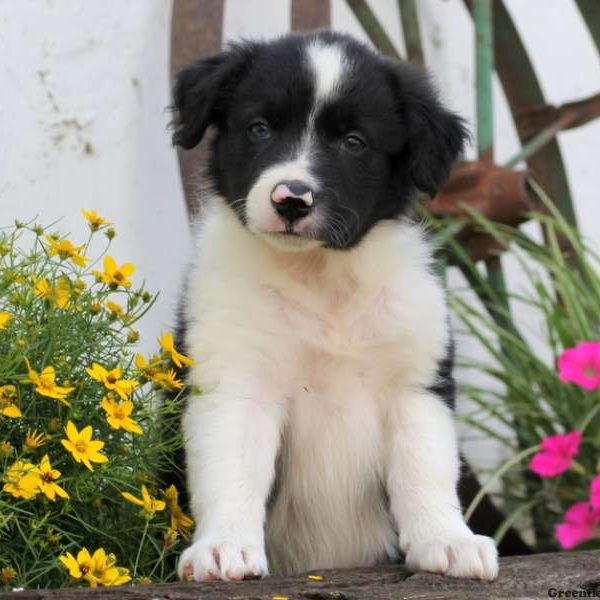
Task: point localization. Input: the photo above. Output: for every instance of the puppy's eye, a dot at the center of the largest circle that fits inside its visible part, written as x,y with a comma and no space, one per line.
259,130
354,143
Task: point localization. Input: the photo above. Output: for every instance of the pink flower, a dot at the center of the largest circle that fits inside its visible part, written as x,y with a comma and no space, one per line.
581,365
579,525
556,454
595,492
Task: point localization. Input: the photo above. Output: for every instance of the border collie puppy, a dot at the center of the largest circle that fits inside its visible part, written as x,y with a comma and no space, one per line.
319,331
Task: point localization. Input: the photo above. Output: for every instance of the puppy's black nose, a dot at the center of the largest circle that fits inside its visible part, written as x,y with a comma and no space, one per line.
292,200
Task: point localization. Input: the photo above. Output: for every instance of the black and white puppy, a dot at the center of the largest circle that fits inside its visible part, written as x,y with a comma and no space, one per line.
316,323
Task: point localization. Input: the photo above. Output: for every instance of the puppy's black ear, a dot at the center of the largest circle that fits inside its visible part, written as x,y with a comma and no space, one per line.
436,136
200,93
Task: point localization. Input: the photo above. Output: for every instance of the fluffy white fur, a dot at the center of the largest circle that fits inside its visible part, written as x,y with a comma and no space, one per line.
314,365
328,64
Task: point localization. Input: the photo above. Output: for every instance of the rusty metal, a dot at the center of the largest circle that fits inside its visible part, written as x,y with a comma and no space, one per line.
499,194
196,31
532,120
308,15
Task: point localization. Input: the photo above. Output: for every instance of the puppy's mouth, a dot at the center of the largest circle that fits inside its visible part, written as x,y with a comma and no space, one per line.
290,240
290,230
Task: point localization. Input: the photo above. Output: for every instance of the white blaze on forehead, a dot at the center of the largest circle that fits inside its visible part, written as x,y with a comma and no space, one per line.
327,62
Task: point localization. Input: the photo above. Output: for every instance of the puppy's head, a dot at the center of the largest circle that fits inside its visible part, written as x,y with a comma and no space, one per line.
317,137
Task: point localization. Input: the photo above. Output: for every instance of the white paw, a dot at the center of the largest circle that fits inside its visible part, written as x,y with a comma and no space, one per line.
473,556
231,561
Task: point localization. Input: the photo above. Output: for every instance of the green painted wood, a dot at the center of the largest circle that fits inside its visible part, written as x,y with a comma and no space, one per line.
590,11
409,20
484,67
373,28
523,90
484,70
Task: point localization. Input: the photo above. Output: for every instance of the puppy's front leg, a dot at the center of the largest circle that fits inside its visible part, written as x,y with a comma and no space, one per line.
231,440
422,475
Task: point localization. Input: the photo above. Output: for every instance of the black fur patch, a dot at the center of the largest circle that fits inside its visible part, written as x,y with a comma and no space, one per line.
411,140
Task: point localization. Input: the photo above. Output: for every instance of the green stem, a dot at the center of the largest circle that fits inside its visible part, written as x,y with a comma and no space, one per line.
510,520
536,143
509,464
139,552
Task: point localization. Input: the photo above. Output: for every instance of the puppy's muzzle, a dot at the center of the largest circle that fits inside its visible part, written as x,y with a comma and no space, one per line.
292,200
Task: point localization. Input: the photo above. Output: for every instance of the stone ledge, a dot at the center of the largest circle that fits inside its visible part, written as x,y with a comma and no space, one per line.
520,577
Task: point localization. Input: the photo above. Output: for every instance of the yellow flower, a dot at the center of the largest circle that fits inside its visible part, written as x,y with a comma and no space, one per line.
96,569
6,449
59,294
81,567
167,343
170,537
45,384
180,522
111,380
94,220
42,289
147,369
106,571
5,317
114,275
8,408
149,504
48,476
33,440
66,250
116,310
22,480
7,575
82,447
168,380
118,415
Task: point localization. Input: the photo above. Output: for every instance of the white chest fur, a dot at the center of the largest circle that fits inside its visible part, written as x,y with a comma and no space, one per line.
328,341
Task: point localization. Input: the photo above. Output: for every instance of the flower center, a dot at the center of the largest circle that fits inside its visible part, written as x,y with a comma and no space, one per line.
111,379
118,276
81,446
590,371
47,477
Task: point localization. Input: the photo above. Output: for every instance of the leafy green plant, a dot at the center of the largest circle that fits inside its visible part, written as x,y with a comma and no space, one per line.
526,401
81,424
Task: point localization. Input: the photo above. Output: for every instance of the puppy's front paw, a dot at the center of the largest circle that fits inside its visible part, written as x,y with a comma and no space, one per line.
231,561
473,556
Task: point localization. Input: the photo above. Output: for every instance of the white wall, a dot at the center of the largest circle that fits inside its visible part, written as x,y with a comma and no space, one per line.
94,75
84,86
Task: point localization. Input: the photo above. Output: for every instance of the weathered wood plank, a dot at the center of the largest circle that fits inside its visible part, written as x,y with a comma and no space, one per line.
520,577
